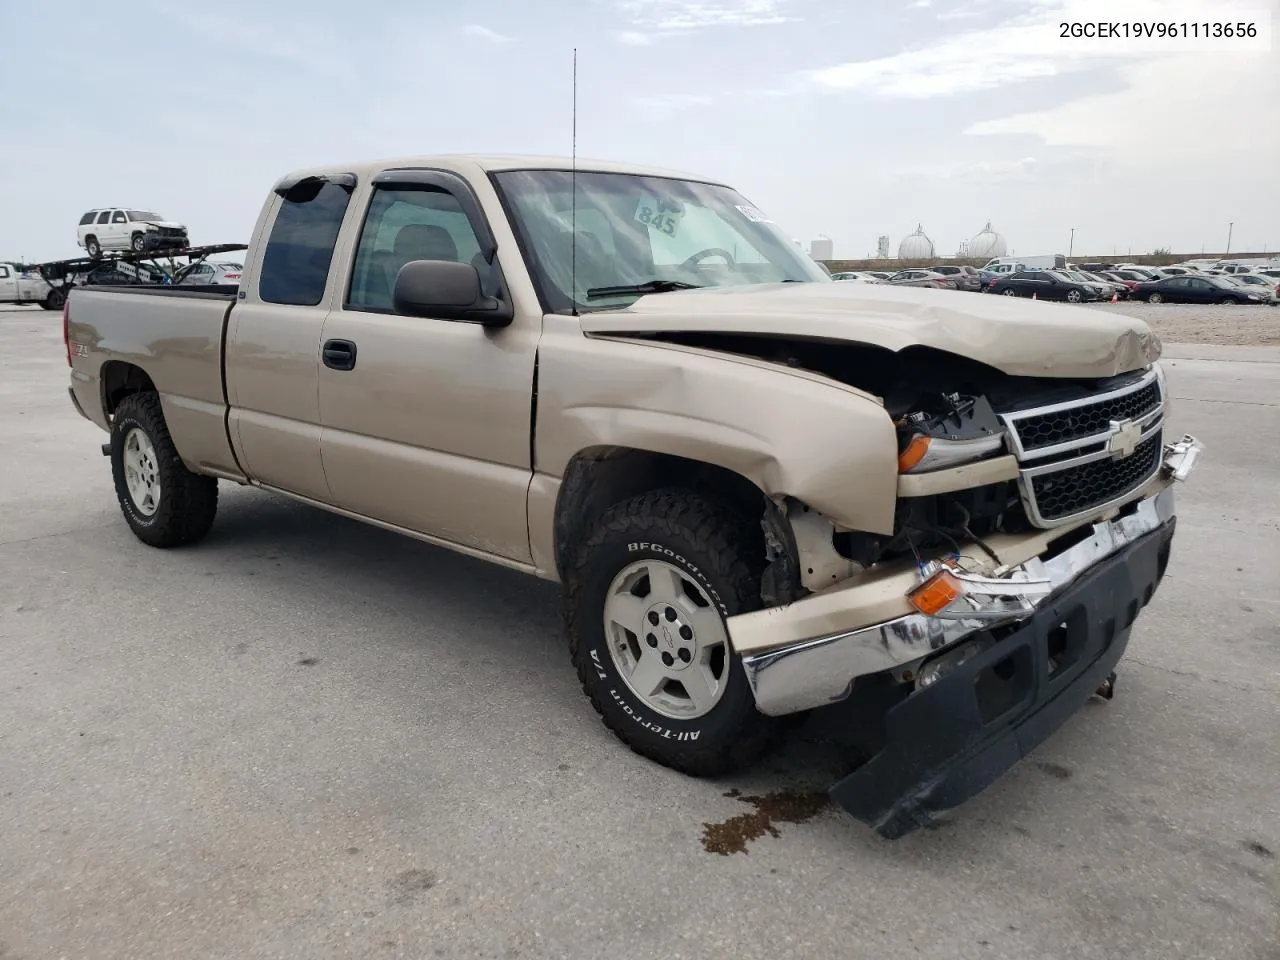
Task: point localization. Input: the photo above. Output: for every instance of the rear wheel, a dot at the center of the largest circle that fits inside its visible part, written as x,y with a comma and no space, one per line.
92,247
1155,298
645,604
1010,293
164,503
54,300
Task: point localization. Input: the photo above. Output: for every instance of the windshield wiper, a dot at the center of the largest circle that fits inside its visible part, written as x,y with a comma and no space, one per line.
649,286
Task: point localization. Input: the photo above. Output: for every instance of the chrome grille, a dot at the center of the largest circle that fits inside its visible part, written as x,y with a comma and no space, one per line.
1091,419
1082,456
1066,493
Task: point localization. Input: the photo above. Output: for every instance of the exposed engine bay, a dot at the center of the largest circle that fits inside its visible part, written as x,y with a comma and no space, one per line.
932,396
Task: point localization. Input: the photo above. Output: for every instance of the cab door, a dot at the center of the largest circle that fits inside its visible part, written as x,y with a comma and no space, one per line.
8,284
273,337
426,422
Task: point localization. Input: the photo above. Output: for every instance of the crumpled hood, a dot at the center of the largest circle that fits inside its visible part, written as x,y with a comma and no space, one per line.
165,223
1017,336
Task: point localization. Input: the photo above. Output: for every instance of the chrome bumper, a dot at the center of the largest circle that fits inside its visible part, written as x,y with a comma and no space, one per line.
822,670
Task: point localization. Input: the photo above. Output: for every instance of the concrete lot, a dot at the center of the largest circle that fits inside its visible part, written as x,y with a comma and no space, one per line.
1242,325
309,738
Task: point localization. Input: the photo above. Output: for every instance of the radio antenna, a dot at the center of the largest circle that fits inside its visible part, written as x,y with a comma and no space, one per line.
573,194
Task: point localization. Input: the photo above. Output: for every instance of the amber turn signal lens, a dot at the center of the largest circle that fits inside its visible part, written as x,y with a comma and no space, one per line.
936,594
914,453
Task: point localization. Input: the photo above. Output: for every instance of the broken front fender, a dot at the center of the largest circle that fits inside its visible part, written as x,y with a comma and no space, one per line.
788,431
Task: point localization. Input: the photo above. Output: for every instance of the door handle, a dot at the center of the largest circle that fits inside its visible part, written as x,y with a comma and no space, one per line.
339,354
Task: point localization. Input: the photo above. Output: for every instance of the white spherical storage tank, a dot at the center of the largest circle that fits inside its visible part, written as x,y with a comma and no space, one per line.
917,246
988,244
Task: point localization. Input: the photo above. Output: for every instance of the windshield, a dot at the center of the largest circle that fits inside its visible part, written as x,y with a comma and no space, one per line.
637,230
143,215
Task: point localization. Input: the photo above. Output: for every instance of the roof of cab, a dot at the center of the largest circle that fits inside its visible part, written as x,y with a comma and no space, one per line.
487,163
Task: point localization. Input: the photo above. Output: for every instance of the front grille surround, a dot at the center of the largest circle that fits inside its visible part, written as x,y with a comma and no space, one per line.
1067,468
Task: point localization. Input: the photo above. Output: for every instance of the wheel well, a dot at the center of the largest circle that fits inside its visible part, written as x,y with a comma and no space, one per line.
119,380
601,476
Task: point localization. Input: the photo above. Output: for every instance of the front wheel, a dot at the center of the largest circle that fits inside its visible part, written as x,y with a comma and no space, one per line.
138,243
1010,293
645,607
1074,296
164,503
1229,301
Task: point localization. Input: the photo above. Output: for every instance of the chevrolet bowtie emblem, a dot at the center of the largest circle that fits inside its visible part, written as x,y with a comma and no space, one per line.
1124,438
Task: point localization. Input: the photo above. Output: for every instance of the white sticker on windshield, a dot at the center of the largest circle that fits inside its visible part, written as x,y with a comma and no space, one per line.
752,214
659,216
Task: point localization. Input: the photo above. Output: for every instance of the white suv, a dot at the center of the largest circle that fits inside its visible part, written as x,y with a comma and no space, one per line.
119,228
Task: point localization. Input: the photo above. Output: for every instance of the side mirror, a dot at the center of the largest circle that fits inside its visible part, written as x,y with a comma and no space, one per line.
447,290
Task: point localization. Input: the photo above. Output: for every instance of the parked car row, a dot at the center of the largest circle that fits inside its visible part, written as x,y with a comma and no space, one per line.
1091,283
1066,285
1076,286
940,277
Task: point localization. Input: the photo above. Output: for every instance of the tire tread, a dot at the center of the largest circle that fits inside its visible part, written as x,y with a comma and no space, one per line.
719,532
189,501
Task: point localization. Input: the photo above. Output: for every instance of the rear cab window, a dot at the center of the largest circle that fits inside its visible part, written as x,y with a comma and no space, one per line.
295,265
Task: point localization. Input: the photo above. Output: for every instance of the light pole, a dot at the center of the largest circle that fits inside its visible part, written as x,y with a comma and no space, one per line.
1230,227
1071,244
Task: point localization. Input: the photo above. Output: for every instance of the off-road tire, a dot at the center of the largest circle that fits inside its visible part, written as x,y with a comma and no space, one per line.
724,553
188,501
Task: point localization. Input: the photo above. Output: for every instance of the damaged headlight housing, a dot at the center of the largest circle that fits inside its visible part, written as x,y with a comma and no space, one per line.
956,430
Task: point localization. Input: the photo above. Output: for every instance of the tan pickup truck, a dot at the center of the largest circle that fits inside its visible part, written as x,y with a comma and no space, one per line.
763,491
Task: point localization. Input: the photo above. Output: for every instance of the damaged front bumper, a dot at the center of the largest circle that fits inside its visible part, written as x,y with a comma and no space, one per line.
821,670
994,672
946,742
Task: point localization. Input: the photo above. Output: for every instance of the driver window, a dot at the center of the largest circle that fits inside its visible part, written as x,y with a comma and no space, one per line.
407,223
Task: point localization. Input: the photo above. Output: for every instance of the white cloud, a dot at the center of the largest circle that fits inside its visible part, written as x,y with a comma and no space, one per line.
1152,121
661,106
658,18
1027,46
983,171
484,33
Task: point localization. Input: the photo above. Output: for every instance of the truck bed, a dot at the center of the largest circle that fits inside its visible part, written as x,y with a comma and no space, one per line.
176,337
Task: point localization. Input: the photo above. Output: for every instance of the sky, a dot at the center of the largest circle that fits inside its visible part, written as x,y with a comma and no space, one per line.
846,120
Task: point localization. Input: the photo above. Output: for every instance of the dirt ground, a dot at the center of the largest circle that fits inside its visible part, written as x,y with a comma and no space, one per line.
1245,326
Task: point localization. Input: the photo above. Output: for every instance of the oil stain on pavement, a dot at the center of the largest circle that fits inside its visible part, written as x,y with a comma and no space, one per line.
780,806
